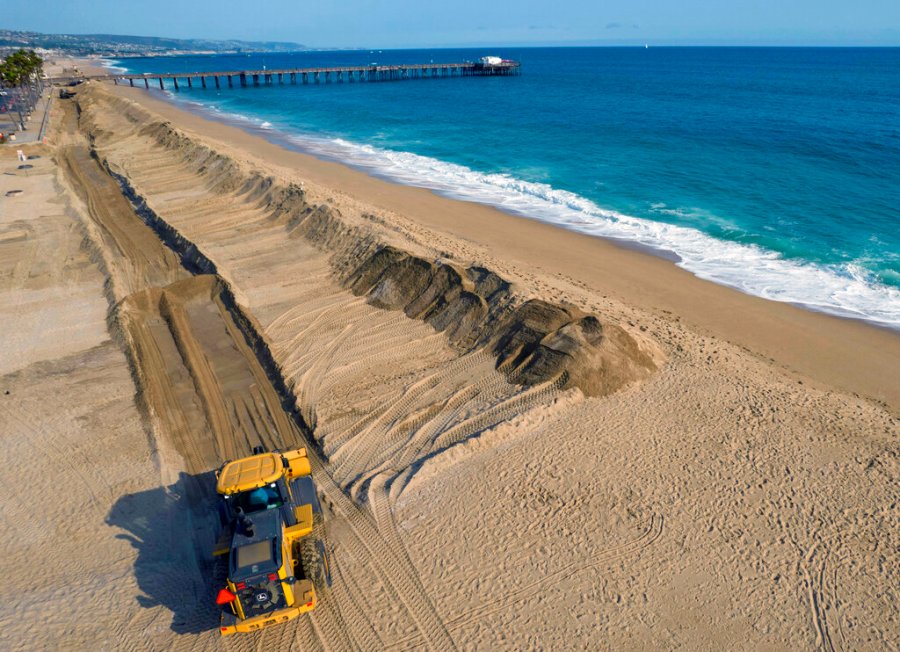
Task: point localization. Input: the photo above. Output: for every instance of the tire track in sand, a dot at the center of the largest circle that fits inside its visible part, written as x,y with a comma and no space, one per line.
651,533
823,609
362,446
424,431
346,590
397,574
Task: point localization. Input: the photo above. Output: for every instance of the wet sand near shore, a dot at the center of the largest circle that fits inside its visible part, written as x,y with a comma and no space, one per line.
480,492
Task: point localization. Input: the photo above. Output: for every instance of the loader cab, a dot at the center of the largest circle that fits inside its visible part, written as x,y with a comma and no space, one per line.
270,496
254,483
267,481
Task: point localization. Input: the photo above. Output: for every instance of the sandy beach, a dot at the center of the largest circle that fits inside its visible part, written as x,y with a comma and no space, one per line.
525,438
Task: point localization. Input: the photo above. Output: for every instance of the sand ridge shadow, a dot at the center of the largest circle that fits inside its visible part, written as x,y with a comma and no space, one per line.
173,529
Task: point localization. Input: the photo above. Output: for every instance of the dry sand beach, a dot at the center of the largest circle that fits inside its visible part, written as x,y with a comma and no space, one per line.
525,438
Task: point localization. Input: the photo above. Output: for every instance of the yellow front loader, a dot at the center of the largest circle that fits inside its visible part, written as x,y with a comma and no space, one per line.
277,562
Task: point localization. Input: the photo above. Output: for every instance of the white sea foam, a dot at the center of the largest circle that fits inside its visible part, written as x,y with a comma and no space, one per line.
846,291
214,111
113,67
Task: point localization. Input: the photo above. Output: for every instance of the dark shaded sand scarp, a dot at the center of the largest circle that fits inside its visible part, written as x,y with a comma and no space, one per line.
534,342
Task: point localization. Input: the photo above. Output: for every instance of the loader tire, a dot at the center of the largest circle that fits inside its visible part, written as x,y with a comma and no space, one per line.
316,563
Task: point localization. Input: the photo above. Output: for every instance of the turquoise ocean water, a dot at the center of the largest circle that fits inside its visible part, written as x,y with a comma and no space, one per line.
772,170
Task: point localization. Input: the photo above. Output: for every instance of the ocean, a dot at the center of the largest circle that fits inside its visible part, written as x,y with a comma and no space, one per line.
775,171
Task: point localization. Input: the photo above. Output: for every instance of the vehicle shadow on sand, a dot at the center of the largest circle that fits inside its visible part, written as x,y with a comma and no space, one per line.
173,529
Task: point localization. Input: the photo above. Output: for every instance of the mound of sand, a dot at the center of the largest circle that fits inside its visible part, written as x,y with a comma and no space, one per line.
535,341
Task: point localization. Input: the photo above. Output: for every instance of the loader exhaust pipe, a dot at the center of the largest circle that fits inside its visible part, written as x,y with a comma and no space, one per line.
244,523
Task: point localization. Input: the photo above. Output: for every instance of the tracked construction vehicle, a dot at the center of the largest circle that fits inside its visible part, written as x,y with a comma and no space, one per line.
277,563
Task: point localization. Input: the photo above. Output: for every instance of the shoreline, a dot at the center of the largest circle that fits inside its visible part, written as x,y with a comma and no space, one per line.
283,140
843,353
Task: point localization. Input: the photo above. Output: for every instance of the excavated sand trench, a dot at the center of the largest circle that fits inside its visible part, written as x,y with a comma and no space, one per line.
211,387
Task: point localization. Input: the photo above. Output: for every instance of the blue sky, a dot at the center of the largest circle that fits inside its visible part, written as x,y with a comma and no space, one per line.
412,23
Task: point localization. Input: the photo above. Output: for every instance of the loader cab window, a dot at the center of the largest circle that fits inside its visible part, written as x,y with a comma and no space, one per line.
254,554
259,499
254,558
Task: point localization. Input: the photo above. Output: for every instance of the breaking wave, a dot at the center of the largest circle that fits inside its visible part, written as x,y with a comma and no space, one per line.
113,66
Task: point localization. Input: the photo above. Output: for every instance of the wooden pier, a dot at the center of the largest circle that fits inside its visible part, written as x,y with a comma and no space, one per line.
371,73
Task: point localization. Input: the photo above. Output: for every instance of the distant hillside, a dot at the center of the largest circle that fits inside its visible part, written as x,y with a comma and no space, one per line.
118,45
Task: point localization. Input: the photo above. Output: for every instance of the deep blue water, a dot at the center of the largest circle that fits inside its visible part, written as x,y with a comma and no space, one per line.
773,170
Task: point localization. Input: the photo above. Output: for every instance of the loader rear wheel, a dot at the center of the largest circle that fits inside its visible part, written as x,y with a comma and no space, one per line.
326,562
316,564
